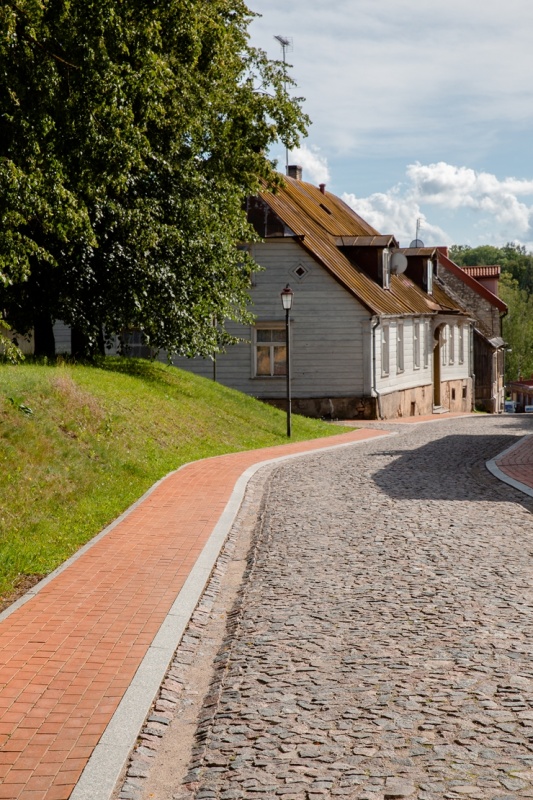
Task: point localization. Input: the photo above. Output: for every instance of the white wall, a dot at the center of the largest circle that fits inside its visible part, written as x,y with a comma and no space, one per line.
411,377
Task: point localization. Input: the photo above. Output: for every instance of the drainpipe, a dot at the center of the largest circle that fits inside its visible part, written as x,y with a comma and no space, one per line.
375,393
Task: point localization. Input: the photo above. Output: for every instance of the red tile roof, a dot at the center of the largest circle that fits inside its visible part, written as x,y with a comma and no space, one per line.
483,271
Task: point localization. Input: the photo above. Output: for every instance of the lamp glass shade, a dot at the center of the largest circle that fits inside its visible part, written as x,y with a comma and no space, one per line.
286,298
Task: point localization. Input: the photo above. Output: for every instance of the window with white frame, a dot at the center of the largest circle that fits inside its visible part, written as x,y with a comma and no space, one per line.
416,344
461,344
385,267
385,351
429,276
399,347
270,351
426,344
451,348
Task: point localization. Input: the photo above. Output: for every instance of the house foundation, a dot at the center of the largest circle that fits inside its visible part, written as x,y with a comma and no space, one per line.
456,396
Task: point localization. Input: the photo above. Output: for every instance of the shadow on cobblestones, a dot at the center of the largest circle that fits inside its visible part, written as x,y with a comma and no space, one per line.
425,472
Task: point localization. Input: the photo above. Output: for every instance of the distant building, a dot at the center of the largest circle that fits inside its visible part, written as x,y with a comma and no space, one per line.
476,288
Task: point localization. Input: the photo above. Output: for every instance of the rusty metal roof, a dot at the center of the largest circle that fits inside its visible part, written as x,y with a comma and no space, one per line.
365,241
427,252
323,223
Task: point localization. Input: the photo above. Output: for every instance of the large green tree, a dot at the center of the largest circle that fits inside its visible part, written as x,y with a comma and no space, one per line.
130,134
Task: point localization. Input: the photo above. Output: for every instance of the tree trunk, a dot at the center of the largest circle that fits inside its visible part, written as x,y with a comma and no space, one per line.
81,347
43,334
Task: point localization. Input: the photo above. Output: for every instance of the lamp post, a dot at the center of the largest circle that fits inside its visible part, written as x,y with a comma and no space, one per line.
286,299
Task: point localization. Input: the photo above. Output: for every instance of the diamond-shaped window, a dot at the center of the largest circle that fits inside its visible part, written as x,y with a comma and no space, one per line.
299,271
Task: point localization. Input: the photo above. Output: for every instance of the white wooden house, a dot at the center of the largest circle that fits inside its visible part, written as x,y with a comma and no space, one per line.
368,340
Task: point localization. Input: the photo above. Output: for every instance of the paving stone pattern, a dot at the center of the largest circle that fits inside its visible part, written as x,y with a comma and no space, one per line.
382,643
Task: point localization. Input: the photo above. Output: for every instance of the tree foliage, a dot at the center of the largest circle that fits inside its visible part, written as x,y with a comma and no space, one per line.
130,135
517,328
512,258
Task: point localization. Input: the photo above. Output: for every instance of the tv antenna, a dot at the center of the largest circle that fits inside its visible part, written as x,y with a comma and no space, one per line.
286,45
416,241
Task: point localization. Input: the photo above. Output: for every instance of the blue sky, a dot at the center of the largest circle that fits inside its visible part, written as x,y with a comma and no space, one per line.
420,110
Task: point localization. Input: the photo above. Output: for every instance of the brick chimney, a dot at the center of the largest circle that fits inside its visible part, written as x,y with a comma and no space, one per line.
295,171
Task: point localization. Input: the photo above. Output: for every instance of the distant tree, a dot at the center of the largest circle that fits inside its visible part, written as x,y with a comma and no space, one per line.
130,134
513,259
517,328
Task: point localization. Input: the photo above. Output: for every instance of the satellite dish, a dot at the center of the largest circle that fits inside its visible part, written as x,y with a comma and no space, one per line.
417,243
398,263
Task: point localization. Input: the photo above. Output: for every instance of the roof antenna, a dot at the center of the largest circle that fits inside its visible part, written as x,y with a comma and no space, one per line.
286,44
416,241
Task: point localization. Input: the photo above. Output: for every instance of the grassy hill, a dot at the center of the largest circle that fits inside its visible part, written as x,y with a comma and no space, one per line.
79,444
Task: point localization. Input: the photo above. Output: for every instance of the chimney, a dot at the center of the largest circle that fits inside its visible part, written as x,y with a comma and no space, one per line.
294,171
322,187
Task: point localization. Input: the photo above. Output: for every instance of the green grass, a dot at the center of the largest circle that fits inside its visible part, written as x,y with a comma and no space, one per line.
79,444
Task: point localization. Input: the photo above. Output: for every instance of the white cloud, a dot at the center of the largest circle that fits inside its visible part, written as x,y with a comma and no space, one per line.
404,77
432,85
495,213
396,212
314,164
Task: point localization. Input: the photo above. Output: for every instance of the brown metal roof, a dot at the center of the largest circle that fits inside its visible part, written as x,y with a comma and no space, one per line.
365,241
324,223
427,252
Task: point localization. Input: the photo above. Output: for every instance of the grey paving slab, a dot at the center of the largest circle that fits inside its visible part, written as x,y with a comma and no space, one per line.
381,645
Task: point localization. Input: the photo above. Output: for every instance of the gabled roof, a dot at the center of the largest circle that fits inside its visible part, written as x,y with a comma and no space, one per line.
465,275
323,224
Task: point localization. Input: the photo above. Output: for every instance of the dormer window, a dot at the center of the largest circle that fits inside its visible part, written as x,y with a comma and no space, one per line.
429,276
385,267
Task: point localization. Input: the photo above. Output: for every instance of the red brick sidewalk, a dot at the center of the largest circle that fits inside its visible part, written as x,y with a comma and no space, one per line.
70,652
517,462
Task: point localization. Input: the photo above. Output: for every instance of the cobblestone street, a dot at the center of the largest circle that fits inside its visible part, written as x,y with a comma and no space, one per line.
381,645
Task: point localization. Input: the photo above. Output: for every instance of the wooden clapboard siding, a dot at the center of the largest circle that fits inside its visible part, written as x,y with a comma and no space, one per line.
327,328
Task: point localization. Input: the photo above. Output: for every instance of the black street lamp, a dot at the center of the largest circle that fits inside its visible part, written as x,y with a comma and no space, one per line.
286,299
